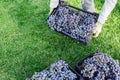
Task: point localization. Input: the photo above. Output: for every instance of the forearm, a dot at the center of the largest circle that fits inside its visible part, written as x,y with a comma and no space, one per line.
106,10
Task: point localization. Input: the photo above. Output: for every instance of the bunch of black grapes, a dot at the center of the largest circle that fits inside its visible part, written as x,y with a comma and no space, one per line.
57,71
100,67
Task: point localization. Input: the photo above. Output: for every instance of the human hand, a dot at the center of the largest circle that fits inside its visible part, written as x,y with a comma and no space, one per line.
51,9
97,30
53,4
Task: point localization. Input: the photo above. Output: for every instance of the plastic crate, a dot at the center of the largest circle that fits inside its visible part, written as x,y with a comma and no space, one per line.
69,67
73,22
79,66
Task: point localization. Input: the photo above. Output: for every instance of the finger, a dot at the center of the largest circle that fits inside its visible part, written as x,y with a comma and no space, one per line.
94,30
96,34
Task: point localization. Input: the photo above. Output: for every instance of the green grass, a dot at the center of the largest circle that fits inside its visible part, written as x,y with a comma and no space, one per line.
28,45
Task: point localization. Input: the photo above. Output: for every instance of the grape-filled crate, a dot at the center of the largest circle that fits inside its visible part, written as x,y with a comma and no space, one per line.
99,66
73,22
59,70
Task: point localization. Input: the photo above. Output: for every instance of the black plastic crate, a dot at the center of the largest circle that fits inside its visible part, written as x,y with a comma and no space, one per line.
78,77
73,22
79,66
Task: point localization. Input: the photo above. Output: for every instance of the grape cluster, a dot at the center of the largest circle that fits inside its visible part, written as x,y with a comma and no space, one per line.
57,71
100,67
76,24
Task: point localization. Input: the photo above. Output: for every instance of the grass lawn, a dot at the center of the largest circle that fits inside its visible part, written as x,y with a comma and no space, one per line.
28,45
